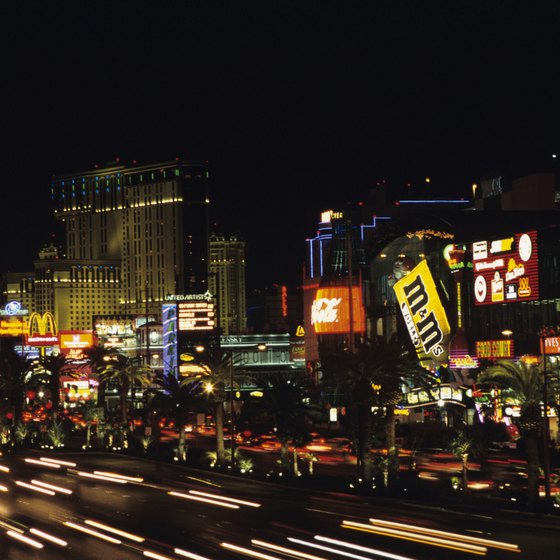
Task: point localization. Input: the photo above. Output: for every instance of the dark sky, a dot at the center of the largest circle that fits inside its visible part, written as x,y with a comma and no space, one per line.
297,106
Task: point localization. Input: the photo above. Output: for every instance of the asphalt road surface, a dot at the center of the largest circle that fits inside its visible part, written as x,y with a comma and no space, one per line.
110,507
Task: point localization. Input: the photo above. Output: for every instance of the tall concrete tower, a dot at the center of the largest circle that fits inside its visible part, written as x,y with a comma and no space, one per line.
226,280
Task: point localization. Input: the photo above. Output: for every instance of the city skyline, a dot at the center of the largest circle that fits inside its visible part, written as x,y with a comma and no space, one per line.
295,108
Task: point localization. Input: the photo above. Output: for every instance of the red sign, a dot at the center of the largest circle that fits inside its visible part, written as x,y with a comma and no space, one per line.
330,312
39,340
506,270
551,345
494,348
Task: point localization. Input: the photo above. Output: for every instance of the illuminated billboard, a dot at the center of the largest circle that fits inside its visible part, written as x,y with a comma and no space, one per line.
330,310
196,315
13,326
424,315
495,349
73,343
506,270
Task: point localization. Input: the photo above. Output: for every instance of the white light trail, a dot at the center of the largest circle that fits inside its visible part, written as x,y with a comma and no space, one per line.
284,550
23,538
110,529
52,487
416,537
156,556
100,477
35,488
329,549
43,463
454,536
3,488
366,549
190,555
58,462
205,500
248,552
91,532
225,499
120,476
4,469
48,537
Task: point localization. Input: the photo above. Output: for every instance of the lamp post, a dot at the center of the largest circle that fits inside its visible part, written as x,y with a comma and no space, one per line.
546,427
231,414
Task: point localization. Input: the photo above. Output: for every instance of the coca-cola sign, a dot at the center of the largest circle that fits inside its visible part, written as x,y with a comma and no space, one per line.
330,311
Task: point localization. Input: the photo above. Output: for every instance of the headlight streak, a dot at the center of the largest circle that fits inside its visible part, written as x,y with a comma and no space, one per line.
248,552
35,488
43,463
225,499
284,550
453,536
203,481
100,477
3,488
110,529
190,555
58,462
360,548
4,469
51,487
155,555
91,532
48,537
120,476
10,527
23,538
415,537
328,549
205,500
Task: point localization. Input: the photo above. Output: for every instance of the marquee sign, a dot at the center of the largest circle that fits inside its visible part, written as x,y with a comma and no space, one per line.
330,310
73,343
495,349
424,315
196,315
550,345
506,270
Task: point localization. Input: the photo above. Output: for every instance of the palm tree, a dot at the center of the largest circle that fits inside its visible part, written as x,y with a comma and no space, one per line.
175,398
373,377
97,358
286,403
48,370
524,384
15,373
462,445
214,370
126,372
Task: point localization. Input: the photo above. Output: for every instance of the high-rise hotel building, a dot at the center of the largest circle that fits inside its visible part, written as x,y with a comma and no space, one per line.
226,281
140,230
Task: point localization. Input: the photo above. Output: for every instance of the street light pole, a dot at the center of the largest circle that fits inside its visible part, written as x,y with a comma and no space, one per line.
231,414
546,430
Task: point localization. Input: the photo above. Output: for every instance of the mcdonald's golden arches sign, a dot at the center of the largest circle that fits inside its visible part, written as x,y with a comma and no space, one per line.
42,330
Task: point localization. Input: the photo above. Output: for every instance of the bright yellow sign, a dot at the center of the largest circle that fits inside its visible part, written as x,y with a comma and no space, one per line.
424,315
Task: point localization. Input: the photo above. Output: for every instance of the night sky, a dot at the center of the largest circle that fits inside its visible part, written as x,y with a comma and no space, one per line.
297,106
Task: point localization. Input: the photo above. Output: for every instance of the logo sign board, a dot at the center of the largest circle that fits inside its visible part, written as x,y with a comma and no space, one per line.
550,345
196,315
330,310
424,315
494,349
42,330
73,343
506,270
13,308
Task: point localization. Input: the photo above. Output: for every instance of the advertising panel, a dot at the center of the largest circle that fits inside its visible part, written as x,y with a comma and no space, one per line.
73,343
550,345
196,315
169,328
424,315
506,270
330,310
13,326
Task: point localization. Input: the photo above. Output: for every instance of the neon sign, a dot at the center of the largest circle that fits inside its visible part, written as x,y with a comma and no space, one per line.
506,270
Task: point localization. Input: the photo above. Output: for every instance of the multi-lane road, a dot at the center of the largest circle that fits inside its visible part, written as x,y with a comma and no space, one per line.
109,507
